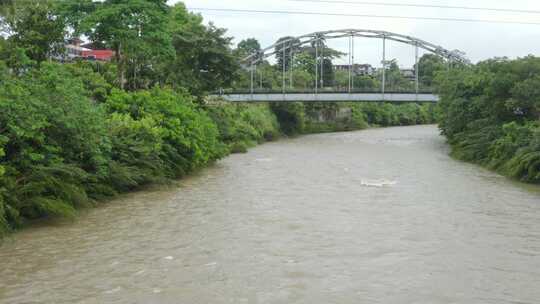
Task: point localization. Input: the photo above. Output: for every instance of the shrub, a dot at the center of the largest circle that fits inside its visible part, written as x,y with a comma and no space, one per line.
54,140
525,164
291,117
489,112
242,126
190,138
4,226
136,146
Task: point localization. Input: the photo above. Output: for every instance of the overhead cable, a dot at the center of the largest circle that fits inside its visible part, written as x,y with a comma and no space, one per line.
284,12
492,9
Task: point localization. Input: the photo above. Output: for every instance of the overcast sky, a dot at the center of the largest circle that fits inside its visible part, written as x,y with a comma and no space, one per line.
478,40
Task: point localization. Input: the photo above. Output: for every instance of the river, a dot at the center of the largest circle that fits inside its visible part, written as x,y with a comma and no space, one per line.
375,216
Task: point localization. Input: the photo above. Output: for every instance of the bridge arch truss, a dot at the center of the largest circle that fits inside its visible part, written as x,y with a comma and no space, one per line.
289,45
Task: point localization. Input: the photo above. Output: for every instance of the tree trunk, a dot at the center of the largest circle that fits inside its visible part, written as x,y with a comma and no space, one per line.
120,66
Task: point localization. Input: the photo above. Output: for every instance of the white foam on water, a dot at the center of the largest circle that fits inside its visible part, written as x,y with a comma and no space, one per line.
377,183
114,290
169,258
263,160
291,261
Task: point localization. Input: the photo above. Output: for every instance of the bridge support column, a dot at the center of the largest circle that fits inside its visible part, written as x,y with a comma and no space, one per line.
384,67
261,79
291,65
284,68
252,76
352,60
416,70
322,67
351,63
316,65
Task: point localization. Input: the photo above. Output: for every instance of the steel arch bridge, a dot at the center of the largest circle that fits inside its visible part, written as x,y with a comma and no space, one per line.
288,46
455,55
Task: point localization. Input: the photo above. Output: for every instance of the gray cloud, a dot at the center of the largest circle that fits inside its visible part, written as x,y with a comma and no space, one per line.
479,40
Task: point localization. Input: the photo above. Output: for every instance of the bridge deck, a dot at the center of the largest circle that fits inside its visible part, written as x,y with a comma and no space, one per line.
333,97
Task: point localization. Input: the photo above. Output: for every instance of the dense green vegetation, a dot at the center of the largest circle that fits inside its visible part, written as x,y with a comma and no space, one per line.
490,114
304,118
75,132
63,150
242,126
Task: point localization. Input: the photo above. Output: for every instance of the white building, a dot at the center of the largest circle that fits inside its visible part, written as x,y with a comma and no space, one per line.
357,69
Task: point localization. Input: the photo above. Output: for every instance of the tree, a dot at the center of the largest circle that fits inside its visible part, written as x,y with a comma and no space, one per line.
291,49
204,60
305,62
429,65
394,79
247,47
134,29
362,82
341,79
302,79
367,83
34,29
489,113
323,50
6,9
327,76
525,99
268,77
308,56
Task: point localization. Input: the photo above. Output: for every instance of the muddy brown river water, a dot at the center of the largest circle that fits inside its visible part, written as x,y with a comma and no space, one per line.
375,216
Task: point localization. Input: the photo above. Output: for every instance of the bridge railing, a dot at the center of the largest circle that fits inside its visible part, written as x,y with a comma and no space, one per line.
325,91
330,97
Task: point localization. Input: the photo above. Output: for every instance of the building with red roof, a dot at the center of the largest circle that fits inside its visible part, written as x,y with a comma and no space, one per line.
101,55
74,50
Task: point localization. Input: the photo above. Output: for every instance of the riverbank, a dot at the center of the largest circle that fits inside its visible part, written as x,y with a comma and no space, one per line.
490,113
70,143
243,125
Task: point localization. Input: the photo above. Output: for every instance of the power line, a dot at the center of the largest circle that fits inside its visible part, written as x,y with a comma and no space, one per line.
359,15
492,9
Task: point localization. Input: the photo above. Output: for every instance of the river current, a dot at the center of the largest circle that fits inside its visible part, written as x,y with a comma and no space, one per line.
374,216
